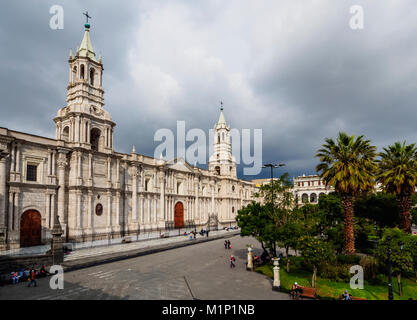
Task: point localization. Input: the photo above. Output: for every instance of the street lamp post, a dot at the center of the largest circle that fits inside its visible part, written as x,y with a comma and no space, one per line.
272,166
390,294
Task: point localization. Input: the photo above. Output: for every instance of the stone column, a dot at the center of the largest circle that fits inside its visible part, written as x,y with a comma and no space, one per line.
56,244
3,195
161,214
77,129
196,191
90,209
109,211
134,173
62,164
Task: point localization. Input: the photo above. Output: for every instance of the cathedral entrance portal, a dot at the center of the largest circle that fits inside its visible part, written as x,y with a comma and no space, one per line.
30,229
179,215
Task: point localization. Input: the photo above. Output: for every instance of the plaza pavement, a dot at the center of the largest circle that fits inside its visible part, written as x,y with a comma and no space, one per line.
198,271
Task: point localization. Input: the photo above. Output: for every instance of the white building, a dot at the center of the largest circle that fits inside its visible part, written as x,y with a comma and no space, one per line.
101,195
308,189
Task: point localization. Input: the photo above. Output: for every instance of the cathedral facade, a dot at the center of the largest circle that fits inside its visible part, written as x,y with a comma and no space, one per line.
99,195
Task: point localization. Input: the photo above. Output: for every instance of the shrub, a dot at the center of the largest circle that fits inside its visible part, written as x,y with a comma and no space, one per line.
370,267
334,271
348,259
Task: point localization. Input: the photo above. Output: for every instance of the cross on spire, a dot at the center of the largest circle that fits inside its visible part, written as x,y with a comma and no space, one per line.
87,16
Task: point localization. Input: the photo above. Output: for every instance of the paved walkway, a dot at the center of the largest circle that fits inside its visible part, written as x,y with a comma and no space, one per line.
201,271
126,247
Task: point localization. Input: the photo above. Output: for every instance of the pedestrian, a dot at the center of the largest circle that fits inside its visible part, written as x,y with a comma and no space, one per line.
226,244
232,261
33,278
207,232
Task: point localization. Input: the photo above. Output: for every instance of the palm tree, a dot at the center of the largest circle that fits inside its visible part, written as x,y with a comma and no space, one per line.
398,175
347,164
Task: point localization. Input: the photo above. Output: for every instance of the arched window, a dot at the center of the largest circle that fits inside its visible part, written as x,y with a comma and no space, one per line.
313,198
95,138
82,72
304,198
65,134
74,74
217,170
218,138
92,72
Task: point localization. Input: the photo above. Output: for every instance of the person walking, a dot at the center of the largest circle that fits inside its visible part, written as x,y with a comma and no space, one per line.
229,246
226,245
33,278
232,261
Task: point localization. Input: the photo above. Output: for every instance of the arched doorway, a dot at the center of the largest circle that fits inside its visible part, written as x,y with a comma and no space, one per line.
30,229
179,215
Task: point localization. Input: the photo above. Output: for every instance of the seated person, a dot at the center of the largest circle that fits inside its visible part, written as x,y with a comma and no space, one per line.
346,296
43,272
296,288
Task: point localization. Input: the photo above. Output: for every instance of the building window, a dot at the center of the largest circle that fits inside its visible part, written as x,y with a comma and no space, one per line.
99,209
82,72
92,71
233,188
31,172
233,209
146,184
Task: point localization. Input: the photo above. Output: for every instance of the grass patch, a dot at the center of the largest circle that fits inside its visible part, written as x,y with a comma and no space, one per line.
327,289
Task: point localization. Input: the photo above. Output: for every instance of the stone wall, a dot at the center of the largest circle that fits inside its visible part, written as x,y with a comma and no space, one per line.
10,264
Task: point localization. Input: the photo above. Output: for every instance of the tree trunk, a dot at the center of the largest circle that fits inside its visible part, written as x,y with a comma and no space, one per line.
266,251
313,281
288,259
349,240
404,203
400,289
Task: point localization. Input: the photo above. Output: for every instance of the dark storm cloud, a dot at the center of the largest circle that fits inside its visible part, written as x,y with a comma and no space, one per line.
293,68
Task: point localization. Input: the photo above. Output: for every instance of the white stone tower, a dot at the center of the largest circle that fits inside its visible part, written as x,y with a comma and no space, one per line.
84,122
222,162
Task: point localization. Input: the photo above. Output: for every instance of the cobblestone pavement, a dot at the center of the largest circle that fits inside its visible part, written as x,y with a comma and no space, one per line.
201,270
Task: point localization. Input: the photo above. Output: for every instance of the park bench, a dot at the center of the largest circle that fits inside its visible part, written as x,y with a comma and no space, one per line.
357,298
307,293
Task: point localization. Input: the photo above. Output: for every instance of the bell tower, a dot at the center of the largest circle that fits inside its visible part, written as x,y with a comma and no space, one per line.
222,162
84,122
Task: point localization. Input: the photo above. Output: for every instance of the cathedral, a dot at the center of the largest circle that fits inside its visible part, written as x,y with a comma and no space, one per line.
101,196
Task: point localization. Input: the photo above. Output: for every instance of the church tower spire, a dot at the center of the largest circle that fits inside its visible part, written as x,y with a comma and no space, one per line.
84,122
222,162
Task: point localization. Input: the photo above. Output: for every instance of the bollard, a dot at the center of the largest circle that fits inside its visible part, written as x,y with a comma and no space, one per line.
249,266
276,286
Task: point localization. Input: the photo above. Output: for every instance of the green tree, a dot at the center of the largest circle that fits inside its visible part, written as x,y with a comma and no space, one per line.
398,175
347,164
255,221
401,259
382,208
315,251
411,246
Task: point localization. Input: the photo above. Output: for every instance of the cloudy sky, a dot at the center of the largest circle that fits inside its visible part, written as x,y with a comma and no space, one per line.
293,68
